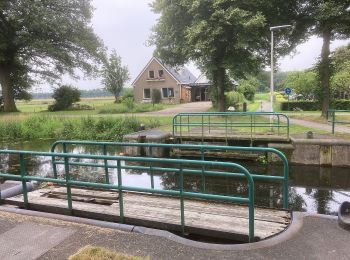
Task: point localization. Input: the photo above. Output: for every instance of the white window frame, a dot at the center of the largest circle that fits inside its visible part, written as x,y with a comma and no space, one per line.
149,93
167,91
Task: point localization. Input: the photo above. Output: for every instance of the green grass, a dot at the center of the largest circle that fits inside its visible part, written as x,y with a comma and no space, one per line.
138,108
41,105
84,128
254,106
103,105
262,96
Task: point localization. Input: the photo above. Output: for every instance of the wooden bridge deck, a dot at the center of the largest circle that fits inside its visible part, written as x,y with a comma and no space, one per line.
213,219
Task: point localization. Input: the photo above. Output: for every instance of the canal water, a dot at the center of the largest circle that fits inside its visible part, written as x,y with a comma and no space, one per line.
311,189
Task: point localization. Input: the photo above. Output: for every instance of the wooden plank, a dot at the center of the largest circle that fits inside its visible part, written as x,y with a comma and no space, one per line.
202,217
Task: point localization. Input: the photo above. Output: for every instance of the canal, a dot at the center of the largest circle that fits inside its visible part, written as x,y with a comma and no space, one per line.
311,189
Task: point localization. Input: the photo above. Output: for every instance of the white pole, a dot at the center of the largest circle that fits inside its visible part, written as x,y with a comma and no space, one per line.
271,83
272,69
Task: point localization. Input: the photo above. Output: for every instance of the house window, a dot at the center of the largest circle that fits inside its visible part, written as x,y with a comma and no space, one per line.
161,73
151,74
146,93
168,92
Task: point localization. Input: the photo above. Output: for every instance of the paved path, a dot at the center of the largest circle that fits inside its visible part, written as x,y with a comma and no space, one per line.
321,126
315,238
186,107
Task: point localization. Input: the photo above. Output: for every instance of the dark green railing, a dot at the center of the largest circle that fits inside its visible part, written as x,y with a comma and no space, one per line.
332,113
201,148
182,167
230,123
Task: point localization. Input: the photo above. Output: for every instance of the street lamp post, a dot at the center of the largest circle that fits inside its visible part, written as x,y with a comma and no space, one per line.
272,29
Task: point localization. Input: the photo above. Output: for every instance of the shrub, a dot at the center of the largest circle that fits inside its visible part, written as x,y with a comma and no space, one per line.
233,99
127,93
304,105
156,96
341,104
129,103
64,97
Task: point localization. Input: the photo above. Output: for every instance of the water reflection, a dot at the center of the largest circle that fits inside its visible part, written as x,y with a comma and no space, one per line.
312,189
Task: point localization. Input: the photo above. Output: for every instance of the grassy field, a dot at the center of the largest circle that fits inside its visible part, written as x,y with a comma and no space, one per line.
103,105
34,121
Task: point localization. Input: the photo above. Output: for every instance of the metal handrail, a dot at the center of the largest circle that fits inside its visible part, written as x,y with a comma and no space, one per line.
333,115
23,177
183,120
201,148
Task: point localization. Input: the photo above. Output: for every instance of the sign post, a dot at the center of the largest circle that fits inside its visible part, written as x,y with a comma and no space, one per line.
288,91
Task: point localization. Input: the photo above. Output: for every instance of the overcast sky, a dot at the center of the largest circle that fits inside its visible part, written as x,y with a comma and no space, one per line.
125,25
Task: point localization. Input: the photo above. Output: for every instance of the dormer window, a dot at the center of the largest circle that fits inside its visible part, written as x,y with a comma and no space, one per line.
161,74
151,74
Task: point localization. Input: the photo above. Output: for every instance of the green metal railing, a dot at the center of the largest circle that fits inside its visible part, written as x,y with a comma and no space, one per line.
201,148
228,123
332,113
182,168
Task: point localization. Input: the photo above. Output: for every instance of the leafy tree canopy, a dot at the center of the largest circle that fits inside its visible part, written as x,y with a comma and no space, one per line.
115,75
248,87
42,40
304,83
221,35
330,20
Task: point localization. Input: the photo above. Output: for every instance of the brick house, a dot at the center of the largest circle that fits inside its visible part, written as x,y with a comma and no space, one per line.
175,84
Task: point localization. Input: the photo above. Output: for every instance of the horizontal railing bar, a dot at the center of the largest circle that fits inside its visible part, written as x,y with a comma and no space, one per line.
126,188
176,170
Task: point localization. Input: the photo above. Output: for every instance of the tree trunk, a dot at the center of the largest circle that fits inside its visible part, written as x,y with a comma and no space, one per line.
325,70
220,81
7,89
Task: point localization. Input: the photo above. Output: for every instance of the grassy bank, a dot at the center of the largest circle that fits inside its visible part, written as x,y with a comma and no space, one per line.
84,128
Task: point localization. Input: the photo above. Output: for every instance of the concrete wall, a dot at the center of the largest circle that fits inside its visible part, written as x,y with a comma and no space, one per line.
315,152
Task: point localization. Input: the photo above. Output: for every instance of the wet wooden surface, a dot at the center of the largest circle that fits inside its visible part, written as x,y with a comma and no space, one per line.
222,220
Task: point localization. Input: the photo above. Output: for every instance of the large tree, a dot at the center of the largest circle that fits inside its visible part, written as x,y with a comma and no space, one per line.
330,20
42,40
222,36
115,75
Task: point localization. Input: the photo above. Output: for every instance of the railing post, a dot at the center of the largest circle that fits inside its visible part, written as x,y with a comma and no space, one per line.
180,126
203,168
333,122
226,139
150,167
202,128
209,123
285,184
106,164
251,130
24,183
182,205
69,190
54,166
188,124
251,211
120,191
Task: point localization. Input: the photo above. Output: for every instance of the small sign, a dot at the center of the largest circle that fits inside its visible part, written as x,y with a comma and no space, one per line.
288,91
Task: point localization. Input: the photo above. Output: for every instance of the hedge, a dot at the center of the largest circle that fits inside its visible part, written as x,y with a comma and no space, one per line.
341,104
306,105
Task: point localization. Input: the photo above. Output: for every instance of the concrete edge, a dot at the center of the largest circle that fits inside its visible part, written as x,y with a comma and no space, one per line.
291,231
92,222
320,141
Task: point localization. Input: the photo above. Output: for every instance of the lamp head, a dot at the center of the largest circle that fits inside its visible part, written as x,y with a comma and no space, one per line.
275,28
